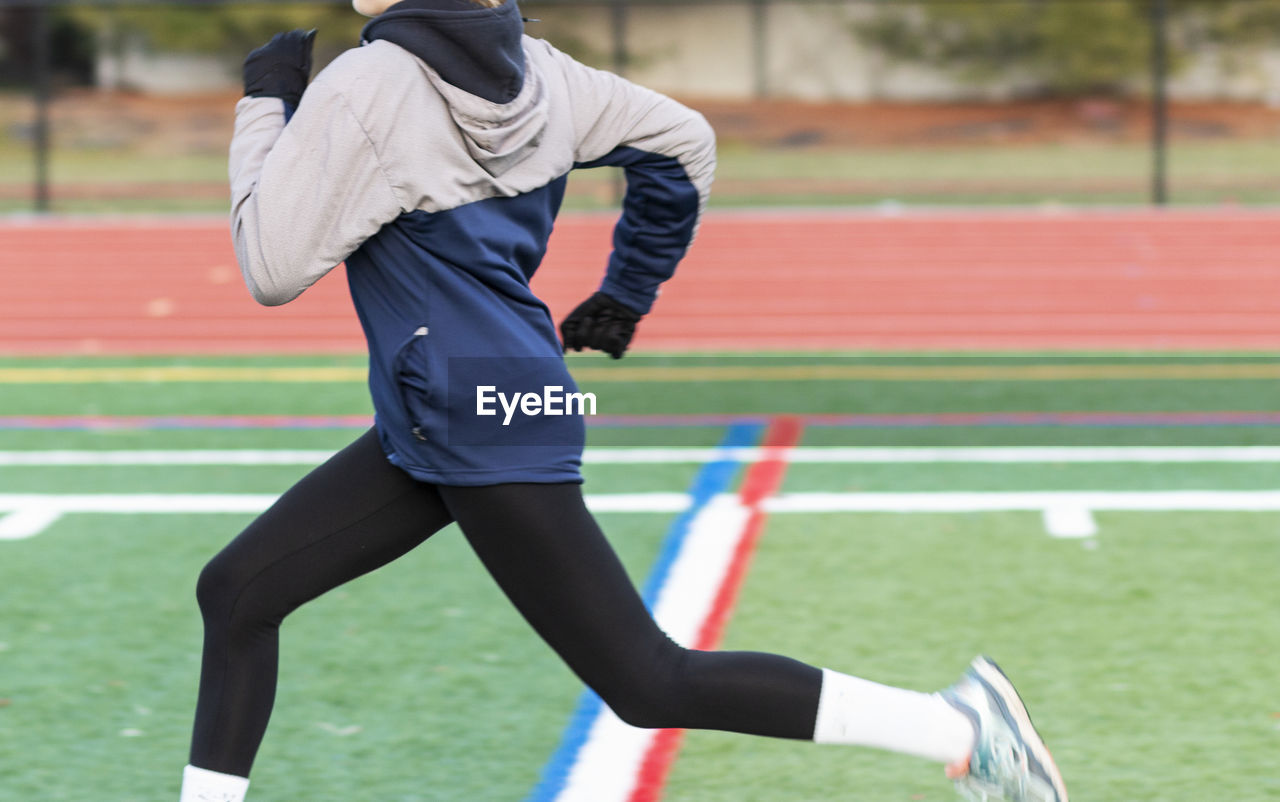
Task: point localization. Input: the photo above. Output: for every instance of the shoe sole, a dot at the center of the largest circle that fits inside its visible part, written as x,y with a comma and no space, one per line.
1000,685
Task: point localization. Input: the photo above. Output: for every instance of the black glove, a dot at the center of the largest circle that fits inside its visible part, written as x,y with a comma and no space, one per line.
281,67
601,323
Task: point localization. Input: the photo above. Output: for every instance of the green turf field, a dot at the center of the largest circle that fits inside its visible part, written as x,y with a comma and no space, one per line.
1146,652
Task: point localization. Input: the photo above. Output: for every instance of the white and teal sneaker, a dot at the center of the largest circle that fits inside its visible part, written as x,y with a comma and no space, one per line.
1009,760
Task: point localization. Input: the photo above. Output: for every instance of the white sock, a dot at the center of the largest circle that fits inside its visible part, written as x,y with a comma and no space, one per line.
202,785
856,711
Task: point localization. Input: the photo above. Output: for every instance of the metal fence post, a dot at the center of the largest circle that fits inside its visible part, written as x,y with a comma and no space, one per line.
43,67
760,47
1159,102
621,56
618,33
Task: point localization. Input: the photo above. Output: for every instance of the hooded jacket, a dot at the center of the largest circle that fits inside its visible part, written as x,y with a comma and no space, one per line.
433,160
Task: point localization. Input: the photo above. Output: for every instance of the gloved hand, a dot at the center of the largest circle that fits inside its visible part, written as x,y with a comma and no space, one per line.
601,323
281,67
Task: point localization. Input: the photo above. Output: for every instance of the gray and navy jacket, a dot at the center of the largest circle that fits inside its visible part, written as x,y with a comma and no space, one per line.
433,160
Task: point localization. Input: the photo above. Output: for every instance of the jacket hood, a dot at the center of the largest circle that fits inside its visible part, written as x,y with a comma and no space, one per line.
475,58
478,50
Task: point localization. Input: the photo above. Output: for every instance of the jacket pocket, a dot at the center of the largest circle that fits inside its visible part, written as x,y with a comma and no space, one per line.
413,381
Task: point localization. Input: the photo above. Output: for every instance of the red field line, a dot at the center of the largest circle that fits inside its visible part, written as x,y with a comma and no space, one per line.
835,280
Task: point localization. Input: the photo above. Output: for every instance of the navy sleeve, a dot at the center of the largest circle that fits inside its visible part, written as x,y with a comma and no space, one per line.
659,216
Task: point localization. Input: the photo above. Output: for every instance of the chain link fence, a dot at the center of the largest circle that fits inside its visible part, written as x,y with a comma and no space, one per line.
127,107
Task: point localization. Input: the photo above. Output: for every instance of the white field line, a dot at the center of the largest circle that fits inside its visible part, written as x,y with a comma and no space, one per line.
1070,522
197,457
132,503
946,454
28,514
1035,500
693,455
24,515
25,522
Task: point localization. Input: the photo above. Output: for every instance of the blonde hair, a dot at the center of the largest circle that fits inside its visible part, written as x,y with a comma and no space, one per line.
372,8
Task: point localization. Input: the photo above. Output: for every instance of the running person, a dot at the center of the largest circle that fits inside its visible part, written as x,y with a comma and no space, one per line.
432,160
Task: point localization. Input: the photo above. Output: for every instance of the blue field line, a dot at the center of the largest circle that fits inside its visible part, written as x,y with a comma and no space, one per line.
712,479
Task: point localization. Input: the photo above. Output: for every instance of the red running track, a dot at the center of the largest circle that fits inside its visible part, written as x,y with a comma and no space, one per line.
1176,280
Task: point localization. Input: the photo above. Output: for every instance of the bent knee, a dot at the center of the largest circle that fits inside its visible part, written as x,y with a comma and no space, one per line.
644,712
216,588
236,595
653,696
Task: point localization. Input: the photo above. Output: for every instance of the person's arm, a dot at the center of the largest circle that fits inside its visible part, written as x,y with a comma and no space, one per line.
668,154
306,190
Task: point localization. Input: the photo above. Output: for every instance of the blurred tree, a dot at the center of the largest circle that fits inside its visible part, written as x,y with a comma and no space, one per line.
1233,21
1238,27
72,48
1060,47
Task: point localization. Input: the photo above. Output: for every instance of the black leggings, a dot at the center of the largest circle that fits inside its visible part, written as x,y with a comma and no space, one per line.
358,512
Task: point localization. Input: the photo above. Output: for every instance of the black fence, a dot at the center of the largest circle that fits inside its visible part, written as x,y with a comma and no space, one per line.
1176,94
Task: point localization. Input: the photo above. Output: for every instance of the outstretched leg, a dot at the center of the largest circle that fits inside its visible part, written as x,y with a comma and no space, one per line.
548,555
351,515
